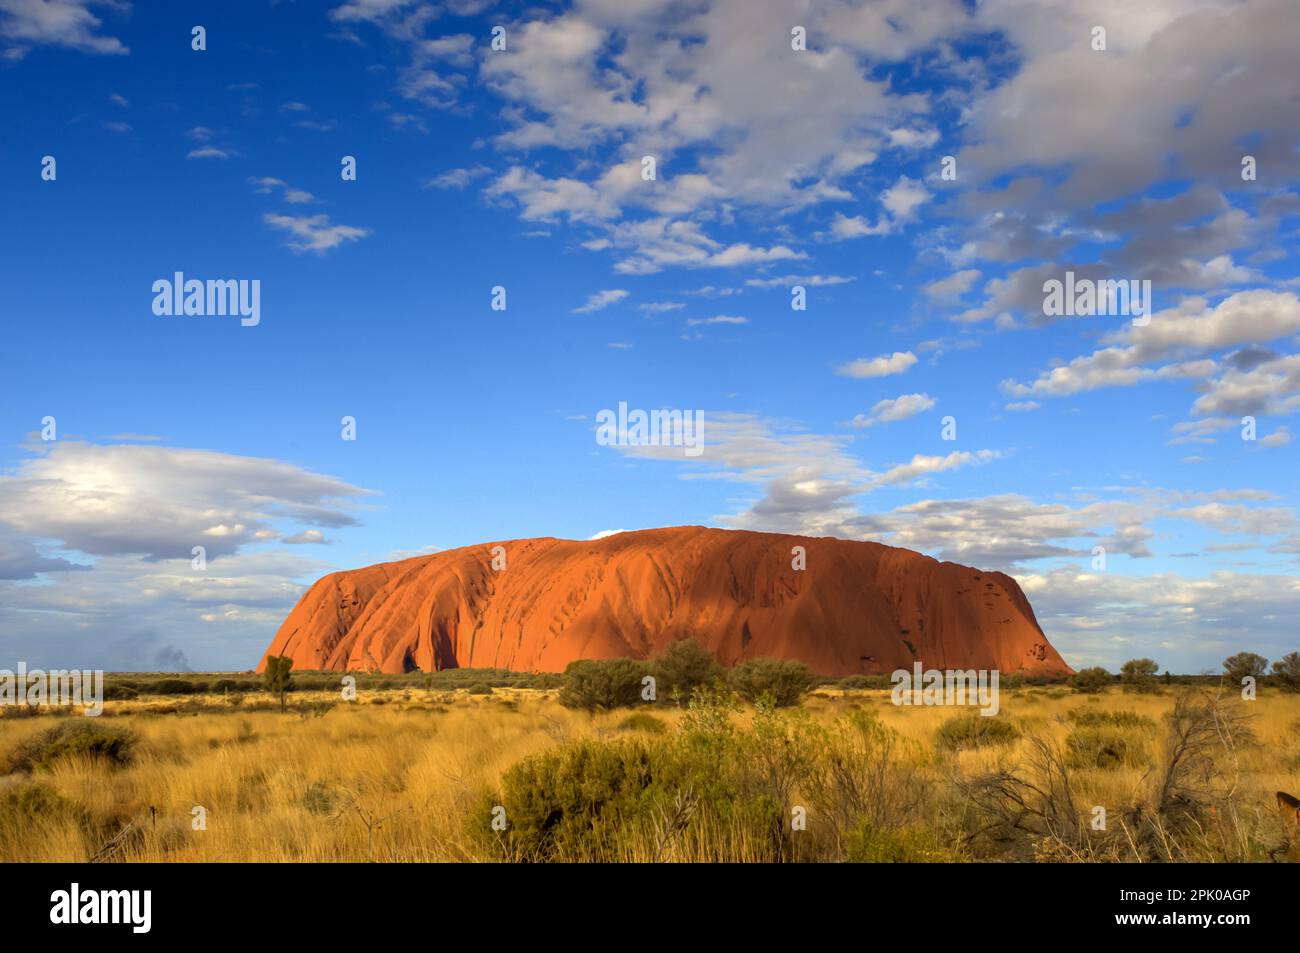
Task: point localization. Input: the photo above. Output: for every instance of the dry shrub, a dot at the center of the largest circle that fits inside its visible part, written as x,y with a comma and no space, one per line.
82,738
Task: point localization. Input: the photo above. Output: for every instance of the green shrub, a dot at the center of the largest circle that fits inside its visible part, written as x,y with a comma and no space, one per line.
604,684
320,798
278,677
172,686
78,738
976,731
634,798
862,771
643,721
119,692
683,666
1105,748
1112,719
909,845
716,787
20,711
316,709
785,681
1089,681
855,682
21,805
1287,671
1244,664
567,804
481,688
1139,674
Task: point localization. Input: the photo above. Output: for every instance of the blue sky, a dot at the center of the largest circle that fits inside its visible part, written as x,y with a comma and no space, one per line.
522,168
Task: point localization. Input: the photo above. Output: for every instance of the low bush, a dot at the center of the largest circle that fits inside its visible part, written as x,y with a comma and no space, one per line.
1139,674
785,681
643,721
975,731
170,686
1089,681
1104,748
321,798
24,805
568,804
682,667
75,738
1122,718
1286,671
604,684
909,845
708,790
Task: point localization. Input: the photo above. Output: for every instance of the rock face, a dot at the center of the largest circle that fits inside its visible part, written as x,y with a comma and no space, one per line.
857,607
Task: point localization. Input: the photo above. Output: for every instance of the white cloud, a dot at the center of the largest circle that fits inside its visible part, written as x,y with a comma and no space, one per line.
717,319
28,23
953,286
160,502
855,226
913,138
1228,66
457,178
1245,317
1272,387
882,366
808,281
428,77
895,408
900,202
126,614
922,465
266,185
306,536
107,533
732,115
314,233
1185,623
1191,328
602,299
546,200
903,198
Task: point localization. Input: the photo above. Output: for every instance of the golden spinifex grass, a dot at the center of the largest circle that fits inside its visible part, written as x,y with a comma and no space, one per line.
413,776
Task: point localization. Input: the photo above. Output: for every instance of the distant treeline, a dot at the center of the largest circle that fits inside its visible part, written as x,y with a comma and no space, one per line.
124,685
127,685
